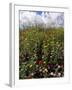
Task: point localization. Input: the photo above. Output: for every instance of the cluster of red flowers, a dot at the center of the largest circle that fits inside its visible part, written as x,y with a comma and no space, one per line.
39,62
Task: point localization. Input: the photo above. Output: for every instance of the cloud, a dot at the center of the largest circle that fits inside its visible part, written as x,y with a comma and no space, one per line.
27,18
44,19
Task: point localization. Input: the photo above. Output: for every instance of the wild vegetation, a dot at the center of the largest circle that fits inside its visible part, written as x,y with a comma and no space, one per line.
41,53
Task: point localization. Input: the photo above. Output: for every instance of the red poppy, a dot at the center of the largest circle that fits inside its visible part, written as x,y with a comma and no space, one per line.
39,62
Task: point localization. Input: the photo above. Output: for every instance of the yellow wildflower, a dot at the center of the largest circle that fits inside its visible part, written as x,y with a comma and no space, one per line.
30,66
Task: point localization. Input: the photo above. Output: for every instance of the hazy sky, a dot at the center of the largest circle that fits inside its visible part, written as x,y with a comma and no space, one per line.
45,19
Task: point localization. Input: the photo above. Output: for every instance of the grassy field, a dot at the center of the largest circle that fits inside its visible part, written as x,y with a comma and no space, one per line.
41,53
